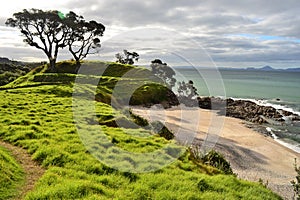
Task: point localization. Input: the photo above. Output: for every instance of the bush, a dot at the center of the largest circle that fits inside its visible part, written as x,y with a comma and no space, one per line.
296,184
211,158
138,120
162,130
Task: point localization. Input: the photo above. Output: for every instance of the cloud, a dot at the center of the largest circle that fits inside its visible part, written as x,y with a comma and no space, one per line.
216,25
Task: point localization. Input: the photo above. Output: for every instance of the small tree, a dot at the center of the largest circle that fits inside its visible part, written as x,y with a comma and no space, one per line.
127,58
187,93
84,36
187,89
43,30
164,72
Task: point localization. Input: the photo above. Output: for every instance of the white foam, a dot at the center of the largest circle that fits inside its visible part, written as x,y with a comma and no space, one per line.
266,103
283,143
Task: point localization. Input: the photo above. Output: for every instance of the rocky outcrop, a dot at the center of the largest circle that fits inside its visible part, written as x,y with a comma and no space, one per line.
246,110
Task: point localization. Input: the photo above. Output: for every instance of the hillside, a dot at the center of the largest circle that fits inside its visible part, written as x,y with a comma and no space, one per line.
37,114
11,70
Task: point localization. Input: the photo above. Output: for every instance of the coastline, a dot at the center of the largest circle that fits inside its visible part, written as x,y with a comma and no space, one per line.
253,156
279,122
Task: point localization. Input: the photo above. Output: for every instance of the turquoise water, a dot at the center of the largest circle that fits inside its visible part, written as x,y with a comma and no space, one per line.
278,89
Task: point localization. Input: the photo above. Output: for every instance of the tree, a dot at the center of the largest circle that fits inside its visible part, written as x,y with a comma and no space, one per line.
43,30
84,36
187,89
164,72
127,58
50,31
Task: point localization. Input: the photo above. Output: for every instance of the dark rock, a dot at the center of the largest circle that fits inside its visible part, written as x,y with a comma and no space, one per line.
246,110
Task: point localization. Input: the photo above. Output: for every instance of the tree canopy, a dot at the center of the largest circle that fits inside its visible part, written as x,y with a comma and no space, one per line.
50,31
164,72
84,36
127,57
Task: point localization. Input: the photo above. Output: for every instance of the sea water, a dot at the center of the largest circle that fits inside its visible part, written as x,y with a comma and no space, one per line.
279,89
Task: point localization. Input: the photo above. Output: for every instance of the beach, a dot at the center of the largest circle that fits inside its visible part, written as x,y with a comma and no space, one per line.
252,156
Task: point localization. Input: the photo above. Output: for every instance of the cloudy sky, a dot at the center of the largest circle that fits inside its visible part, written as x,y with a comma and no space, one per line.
247,33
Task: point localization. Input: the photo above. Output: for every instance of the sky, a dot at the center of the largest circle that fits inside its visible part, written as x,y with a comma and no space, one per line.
225,33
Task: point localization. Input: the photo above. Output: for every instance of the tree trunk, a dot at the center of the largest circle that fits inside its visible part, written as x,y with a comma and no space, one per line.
52,63
78,64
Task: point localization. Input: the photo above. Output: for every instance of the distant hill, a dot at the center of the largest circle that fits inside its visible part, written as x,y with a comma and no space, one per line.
269,68
293,70
4,60
266,68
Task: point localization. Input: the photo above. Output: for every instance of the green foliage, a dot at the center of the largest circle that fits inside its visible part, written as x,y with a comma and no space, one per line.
127,57
11,175
211,158
83,36
138,120
162,130
296,184
69,66
164,72
12,70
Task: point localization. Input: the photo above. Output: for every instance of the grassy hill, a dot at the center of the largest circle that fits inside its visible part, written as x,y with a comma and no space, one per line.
37,114
11,175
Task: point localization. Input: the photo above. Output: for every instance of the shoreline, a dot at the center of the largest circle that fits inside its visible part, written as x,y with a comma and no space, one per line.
266,118
252,155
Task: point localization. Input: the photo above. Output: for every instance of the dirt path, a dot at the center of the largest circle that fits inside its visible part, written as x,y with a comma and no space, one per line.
32,170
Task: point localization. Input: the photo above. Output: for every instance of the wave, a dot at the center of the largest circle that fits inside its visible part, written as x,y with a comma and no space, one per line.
293,147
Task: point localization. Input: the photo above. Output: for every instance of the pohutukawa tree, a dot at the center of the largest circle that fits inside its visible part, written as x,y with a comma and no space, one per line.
127,57
43,30
50,31
187,89
164,72
84,36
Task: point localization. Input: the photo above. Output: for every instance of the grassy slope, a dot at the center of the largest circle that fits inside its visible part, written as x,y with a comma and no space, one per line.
11,70
11,175
39,117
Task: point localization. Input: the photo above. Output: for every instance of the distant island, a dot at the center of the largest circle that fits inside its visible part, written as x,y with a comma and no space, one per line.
265,68
269,68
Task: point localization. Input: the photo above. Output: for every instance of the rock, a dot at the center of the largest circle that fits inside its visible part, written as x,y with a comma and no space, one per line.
246,110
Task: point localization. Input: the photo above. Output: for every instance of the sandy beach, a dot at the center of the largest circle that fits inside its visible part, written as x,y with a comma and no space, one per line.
252,155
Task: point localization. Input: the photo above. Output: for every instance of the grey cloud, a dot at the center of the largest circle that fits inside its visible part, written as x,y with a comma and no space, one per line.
207,22
214,16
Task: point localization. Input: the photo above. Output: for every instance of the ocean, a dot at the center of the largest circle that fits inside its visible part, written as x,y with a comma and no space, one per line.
278,89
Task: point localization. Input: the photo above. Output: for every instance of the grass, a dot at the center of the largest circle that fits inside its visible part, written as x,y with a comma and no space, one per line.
11,175
40,119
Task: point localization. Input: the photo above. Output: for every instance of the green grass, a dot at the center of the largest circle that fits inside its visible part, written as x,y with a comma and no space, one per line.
11,175
40,119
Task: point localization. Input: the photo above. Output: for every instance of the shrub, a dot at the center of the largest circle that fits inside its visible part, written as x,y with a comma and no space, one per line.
162,130
211,158
203,185
137,119
296,184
